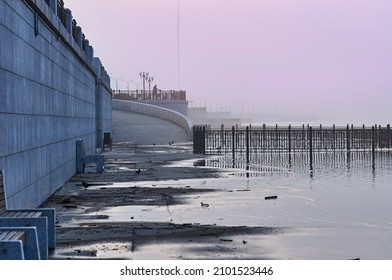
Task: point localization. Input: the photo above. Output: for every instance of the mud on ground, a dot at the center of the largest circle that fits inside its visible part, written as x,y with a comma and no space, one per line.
146,178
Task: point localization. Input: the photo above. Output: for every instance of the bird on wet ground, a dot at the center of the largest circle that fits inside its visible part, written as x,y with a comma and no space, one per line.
204,204
85,184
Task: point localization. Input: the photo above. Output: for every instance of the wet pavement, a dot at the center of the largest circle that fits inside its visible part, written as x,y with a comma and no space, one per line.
163,202
157,202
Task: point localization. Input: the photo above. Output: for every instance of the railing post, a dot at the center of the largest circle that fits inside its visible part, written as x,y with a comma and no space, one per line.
310,132
195,139
352,138
333,137
203,142
289,144
263,138
379,133
373,144
250,136
363,138
348,137
320,145
233,144
289,139
247,147
222,139
199,140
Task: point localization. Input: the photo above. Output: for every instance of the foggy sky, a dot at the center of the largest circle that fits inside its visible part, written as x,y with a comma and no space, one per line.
281,56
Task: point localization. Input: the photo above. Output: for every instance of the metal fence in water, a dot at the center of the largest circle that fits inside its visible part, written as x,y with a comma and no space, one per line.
246,143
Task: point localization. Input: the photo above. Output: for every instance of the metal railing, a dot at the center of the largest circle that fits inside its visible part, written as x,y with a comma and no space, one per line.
291,139
149,95
249,141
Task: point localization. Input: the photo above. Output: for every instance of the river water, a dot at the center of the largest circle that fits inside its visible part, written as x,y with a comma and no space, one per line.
344,198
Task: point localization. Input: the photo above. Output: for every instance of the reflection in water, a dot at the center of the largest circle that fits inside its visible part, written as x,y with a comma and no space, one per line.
262,164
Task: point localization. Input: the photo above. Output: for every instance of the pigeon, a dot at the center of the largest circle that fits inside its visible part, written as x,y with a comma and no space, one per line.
85,184
204,204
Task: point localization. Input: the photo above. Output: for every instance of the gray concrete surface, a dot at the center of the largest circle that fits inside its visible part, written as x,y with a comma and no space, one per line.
52,92
155,111
144,129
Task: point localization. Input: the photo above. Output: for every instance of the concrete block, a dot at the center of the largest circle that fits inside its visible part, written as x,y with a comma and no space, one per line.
86,44
98,66
91,53
53,6
79,33
68,20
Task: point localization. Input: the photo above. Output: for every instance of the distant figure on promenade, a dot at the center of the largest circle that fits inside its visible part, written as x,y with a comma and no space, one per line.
154,92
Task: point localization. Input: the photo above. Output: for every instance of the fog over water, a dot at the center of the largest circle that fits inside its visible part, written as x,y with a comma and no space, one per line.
322,59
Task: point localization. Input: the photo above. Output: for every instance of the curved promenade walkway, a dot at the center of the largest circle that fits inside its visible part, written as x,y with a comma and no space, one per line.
144,129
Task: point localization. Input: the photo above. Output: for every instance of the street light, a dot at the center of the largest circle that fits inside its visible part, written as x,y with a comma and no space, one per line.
132,93
144,76
116,79
127,81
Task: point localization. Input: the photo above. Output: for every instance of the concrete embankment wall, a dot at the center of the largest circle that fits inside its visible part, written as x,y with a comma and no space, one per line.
180,106
52,92
155,111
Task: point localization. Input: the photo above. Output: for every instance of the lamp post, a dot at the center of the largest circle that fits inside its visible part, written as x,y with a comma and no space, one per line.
150,80
116,79
144,76
132,92
128,81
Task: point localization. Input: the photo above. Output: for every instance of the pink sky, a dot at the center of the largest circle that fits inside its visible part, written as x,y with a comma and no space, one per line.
323,56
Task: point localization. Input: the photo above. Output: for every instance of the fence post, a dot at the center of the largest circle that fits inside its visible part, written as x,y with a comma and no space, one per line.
247,147
263,138
321,139
199,140
379,133
375,134
194,139
290,139
233,143
310,131
348,137
363,145
290,144
250,136
203,142
333,137
222,145
373,144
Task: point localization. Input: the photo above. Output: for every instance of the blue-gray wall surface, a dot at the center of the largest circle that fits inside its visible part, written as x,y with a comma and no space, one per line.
52,92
